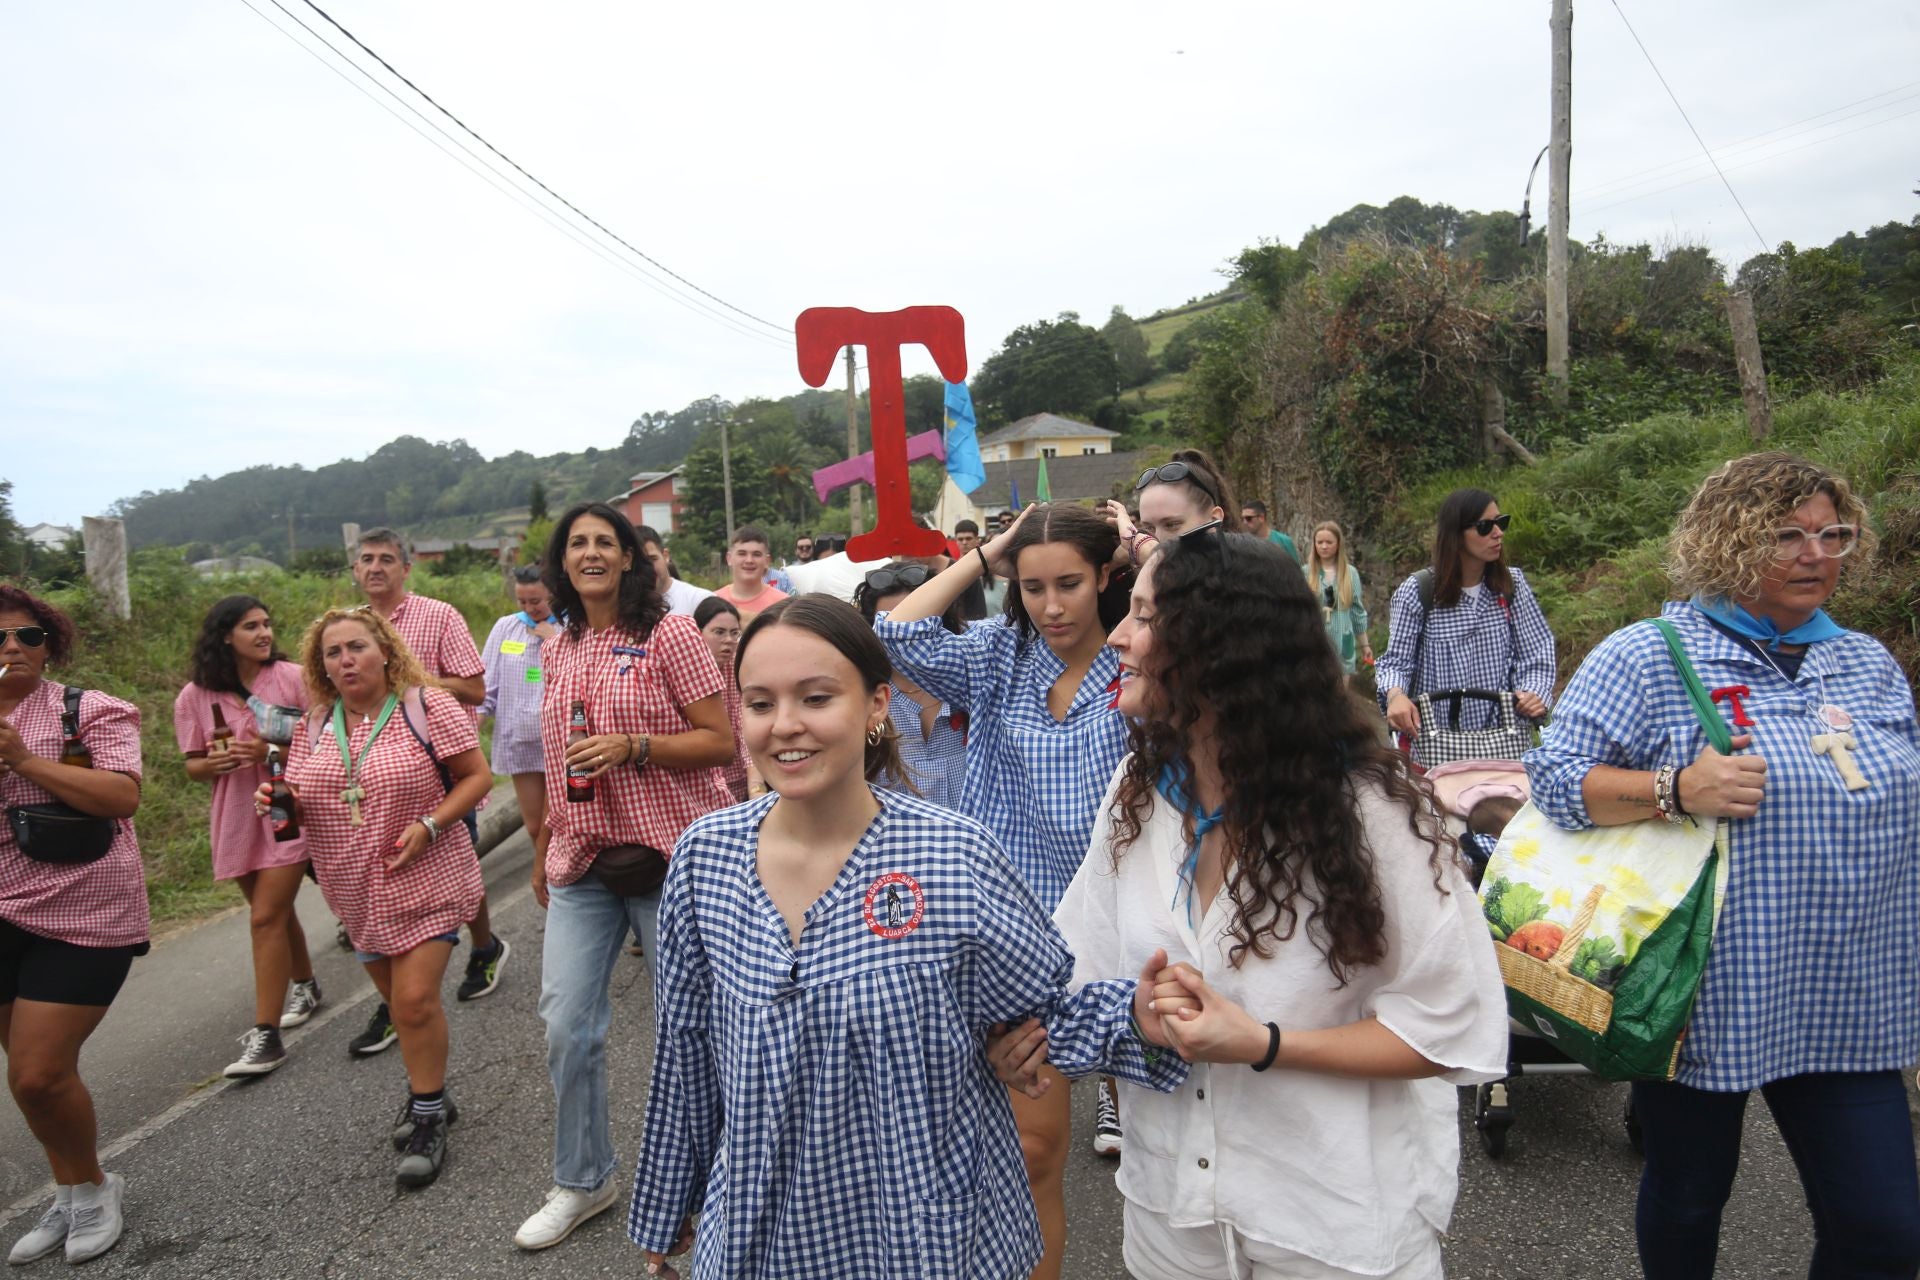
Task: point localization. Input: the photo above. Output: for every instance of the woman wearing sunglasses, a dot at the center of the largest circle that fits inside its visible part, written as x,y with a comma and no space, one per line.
1037,684
1467,621
931,735
1174,497
1823,796
73,912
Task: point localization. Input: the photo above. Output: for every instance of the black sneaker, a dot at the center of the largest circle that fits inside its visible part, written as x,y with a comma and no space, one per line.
403,1119
483,970
426,1151
303,1001
260,1053
378,1035
1106,1122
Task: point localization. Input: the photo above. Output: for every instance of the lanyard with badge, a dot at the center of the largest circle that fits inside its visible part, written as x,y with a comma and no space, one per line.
354,793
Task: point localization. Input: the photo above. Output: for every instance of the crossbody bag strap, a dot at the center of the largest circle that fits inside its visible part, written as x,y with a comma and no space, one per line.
70,710
1716,729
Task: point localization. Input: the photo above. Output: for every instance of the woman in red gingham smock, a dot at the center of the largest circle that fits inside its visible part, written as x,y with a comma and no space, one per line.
658,735
68,931
405,879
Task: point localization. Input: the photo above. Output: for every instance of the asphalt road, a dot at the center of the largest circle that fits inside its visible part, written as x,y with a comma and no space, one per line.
291,1175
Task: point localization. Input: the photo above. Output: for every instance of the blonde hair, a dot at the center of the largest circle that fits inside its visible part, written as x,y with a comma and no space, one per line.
403,669
1723,544
1342,580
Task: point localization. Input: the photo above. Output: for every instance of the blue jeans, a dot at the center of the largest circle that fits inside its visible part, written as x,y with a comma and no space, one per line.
1851,1138
587,929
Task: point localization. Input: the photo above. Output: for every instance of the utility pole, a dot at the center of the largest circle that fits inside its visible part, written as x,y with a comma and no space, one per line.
853,445
291,549
1559,171
1752,369
726,478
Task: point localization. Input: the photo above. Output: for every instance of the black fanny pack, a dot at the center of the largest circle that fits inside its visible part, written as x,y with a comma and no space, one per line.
630,870
58,832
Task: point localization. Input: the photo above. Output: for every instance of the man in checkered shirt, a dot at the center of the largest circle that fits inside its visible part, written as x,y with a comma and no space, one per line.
438,637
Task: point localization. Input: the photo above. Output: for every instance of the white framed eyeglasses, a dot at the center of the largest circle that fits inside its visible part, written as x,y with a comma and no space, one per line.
1834,541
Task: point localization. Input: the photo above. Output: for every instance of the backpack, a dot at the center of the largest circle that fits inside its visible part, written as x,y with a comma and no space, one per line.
1423,586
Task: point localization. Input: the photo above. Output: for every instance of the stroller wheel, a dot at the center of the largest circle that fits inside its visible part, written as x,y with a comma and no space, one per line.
1635,1136
1492,1116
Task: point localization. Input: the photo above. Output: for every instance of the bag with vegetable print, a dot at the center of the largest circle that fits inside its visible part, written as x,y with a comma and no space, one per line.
1604,934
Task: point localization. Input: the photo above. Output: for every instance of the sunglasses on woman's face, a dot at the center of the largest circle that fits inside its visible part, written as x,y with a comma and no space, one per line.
31,637
1485,527
904,578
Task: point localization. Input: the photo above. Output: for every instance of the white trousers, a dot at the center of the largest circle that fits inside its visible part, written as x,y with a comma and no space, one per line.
1157,1250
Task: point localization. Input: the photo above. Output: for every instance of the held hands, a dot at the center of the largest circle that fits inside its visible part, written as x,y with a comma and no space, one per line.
1717,786
1016,1055
1402,715
1205,1026
599,753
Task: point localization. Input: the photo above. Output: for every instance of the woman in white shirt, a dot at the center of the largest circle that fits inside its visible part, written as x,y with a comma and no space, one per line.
1299,879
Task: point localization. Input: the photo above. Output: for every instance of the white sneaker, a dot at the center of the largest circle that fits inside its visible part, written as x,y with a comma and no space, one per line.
564,1210
48,1234
97,1220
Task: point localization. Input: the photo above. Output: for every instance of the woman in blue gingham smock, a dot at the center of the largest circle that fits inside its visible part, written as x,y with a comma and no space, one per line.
1480,627
1812,992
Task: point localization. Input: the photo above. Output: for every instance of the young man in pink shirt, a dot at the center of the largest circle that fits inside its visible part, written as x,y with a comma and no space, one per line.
750,555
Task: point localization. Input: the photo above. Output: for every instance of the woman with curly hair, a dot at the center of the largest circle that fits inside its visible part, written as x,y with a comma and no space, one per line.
1467,621
1812,991
1037,685
73,916
382,824
237,669
1286,860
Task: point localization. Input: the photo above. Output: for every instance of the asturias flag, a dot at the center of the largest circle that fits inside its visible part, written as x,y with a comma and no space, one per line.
963,446
1042,491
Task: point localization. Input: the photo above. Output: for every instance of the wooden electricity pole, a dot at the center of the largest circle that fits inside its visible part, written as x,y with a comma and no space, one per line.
1559,170
1753,371
726,478
853,446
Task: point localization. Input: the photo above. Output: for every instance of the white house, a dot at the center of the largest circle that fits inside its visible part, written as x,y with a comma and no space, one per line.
49,537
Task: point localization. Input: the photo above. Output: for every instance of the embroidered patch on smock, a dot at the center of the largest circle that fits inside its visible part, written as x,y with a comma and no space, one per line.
895,903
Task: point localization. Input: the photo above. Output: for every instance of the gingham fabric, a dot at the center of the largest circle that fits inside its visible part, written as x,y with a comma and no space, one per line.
734,774
1033,780
937,762
1507,738
830,1104
386,912
1816,957
242,840
639,692
102,903
1470,645
438,636
515,681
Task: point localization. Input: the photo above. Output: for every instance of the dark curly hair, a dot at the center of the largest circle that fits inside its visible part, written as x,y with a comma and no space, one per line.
57,625
1088,534
214,668
1459,509
1295,748
641,606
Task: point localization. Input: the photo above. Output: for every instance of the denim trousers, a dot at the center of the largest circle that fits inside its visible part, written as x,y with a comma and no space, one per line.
587,928
1851,1139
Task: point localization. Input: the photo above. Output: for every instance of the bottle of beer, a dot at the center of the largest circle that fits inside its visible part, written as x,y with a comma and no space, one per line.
72,750
579,777
283,812
222,736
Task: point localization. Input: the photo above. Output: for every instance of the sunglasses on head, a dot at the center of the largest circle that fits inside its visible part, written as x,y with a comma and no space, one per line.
31,637
903,578
1173,473
1485,527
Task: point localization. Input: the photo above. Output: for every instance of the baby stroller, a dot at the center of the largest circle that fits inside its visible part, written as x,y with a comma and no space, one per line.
1478,798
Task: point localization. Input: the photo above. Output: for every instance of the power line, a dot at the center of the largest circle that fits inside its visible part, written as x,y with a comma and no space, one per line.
469,161
1782,133
391,70
1764,246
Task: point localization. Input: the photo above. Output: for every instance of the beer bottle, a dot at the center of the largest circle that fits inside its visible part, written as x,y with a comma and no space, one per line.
222,735
283,812
579,776
73,751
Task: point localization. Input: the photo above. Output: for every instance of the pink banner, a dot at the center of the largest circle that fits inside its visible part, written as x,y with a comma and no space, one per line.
830,480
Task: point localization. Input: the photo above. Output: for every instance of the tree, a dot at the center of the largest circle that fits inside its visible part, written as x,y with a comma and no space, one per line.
536,501
706,505
1049,366
1133,367
1268,269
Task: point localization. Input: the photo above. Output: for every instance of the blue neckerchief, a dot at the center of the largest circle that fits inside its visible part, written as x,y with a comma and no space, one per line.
1764,630
557,619
1172,785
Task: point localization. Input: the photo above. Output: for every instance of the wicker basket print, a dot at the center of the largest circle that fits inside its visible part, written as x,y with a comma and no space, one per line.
1602,934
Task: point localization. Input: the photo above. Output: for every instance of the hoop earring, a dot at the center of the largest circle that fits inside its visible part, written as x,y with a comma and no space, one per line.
876,735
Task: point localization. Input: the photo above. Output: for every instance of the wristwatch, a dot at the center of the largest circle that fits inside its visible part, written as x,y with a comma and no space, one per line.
433,828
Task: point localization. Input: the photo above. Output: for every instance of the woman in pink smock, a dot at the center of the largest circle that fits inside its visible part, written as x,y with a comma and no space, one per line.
237,669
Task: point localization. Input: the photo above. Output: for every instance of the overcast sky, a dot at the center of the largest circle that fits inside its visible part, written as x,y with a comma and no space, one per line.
218,253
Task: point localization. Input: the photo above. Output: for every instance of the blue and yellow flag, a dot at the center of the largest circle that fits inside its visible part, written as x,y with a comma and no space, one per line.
963,446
